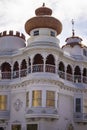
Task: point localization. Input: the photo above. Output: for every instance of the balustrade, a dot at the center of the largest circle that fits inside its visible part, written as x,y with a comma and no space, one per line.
40,68
78,117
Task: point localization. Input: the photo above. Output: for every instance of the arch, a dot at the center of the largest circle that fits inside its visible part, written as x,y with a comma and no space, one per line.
69,73
38,63
50,64
38,59
23,68
50,59
61,66
6,70
84,75
16,70
84,72
61,69
77,74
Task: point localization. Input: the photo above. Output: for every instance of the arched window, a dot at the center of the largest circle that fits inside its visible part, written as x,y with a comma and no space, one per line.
50,64
61,71
84,75
38,63
16,70
23,70
50,60
77,74
69,73
6,71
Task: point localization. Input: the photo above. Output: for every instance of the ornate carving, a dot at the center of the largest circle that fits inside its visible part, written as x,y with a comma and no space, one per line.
29,111
43,111
18,104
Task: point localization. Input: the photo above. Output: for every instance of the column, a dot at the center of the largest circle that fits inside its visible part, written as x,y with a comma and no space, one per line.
31,64
56,65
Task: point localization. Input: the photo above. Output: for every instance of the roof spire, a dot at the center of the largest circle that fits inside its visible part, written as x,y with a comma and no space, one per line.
43,4
73,31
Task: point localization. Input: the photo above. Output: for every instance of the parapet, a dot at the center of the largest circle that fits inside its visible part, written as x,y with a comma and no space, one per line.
11,33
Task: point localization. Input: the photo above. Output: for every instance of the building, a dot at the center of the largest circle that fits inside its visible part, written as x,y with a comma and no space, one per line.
42,86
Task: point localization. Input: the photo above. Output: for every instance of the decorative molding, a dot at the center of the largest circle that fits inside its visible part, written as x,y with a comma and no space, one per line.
43,81
16,121
29,111
18,104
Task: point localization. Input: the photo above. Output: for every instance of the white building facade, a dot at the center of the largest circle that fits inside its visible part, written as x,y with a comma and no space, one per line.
42,86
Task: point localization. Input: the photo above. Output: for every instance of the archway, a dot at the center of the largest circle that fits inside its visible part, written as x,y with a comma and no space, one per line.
16,70
50,64
77,74
23,68
69,73
85,75
6,70
38,63
61,70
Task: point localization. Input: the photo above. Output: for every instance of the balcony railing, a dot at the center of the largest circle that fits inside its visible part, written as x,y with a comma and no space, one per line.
42,112
37,68
4,114
80,117
41,68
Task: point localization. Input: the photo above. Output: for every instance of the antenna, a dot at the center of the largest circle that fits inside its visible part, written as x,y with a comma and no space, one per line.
43,4
73,31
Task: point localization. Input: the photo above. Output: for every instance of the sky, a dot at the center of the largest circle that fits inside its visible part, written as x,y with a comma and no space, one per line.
14,14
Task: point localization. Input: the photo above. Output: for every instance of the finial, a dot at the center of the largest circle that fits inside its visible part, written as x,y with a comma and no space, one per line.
73,31
43,4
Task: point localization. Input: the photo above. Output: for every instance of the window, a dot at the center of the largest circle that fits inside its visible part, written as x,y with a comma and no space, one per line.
37,98
52,33
3,102
16,127
50,99
78,105
84,52
32,127
36,32
27,99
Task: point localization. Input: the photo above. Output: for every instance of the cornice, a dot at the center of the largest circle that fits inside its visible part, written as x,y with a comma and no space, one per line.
58,84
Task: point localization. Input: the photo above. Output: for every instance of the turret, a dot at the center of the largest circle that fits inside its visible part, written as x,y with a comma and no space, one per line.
11,41
73,44
43,27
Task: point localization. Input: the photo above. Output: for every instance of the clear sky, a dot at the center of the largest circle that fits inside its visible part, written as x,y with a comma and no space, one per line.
14,14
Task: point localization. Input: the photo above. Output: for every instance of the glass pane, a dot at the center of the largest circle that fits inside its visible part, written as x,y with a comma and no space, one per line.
37,98
37,94
36,32
78,105
31,126
16,127
27,99
50,99
3,102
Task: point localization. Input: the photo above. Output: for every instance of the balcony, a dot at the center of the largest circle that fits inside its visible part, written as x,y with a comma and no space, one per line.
80,117
37,68
42,112
4,115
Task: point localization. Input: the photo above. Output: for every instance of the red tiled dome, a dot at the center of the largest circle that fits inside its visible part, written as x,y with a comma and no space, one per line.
43,19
